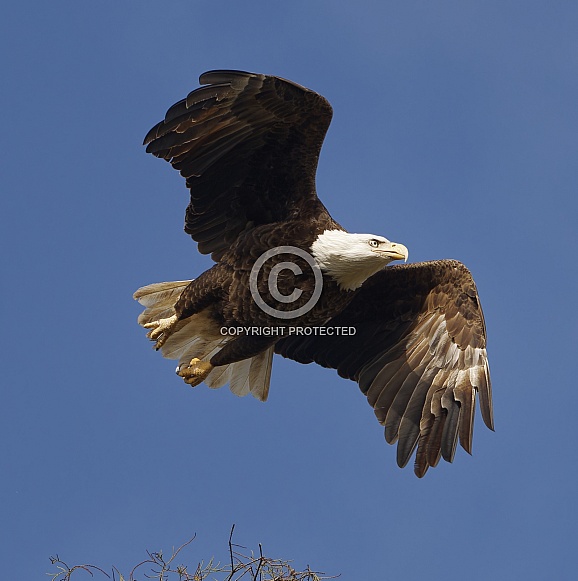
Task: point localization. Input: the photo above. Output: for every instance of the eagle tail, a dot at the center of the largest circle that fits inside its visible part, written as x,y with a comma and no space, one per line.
199,336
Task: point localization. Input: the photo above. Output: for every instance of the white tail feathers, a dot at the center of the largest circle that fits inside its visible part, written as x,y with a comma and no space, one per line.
199,336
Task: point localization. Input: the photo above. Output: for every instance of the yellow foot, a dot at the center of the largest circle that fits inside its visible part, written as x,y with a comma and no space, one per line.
161,330
196,372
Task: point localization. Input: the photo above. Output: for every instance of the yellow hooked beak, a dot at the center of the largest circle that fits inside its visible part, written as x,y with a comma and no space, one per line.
394,251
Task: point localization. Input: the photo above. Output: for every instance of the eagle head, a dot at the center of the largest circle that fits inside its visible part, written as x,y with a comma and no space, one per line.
350,259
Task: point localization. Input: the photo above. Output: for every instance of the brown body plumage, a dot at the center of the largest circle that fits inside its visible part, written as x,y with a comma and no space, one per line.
248,146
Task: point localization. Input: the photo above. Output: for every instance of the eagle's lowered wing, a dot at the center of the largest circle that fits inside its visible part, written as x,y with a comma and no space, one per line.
418,353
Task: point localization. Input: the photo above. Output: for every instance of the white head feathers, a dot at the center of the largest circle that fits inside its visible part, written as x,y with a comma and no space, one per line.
350,259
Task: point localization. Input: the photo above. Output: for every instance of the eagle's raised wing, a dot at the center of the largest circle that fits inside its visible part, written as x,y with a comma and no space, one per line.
248,146
418,353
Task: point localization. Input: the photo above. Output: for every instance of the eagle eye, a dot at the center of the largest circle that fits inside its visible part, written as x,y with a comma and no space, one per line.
373,242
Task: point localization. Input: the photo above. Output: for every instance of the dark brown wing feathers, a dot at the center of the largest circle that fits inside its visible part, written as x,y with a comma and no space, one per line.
248,146
418,354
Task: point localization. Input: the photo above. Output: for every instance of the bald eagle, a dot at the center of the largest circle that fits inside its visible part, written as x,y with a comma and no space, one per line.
288,279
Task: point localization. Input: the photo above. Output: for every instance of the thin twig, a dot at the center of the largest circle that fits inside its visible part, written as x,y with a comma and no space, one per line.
244,565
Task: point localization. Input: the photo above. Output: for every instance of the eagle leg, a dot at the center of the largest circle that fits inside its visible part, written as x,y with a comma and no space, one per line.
196,372
161,330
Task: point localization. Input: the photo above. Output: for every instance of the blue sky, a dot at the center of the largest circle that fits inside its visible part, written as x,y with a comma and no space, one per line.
455,132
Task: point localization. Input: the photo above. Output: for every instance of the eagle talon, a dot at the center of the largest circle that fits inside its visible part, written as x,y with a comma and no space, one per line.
196,372
161,330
